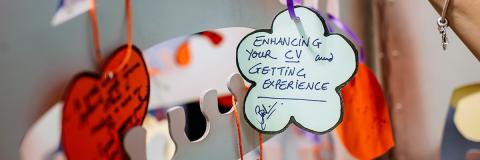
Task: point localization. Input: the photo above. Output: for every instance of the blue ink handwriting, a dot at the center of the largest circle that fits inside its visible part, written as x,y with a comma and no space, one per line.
320,58
256,54
264,113
293,99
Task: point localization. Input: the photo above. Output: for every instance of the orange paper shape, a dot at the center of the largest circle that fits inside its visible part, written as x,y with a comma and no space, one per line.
183,55
366,129
99,111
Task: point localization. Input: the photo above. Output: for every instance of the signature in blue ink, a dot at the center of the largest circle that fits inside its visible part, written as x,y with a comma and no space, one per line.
320,58
264,113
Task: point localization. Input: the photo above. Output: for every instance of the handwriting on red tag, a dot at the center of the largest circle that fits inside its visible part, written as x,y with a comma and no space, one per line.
99,111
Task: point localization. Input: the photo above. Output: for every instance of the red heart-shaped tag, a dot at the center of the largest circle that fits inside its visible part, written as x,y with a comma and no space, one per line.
98,110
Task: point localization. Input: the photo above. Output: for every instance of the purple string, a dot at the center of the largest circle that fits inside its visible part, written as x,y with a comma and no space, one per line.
350,33
336,21
291,10
60,4
310,136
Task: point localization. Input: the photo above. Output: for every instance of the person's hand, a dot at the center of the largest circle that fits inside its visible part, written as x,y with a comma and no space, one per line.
463,17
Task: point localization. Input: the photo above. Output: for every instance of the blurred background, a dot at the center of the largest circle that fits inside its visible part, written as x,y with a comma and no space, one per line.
402,48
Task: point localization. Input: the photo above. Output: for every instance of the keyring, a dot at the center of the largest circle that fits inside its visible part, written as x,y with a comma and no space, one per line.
442,23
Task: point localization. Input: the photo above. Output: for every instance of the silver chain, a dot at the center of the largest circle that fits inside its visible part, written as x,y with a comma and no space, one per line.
443,25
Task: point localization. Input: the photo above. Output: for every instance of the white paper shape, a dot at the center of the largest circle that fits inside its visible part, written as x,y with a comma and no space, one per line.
209,67
69,10
42,139
467,117
172,87
219,141
297,70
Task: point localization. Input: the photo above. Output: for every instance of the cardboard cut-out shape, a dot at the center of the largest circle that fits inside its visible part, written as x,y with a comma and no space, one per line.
98,110
42,141
43,138
467,117
297,69
204,48
135,143
366,130
460,92
220,138
454,145
173,85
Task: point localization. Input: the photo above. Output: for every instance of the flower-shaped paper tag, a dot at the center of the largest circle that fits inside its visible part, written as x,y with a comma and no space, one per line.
297,69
